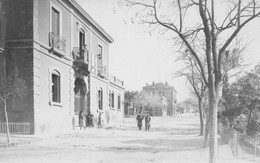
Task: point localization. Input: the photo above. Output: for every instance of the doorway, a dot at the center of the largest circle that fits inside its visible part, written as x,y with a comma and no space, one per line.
79,95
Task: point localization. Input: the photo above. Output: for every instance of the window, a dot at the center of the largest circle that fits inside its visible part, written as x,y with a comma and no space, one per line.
100,52
99,60
55,15
81,39
100,99
110,99
55,86
113,100
119,102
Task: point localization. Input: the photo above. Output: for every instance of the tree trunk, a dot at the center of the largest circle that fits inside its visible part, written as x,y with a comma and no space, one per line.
7,124
213,105
249,116
201,116
206,133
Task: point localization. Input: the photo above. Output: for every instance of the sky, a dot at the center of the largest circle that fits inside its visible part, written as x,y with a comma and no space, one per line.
137,57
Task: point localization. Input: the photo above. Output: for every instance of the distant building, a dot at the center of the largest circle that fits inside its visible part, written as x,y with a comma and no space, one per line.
62,54
165,91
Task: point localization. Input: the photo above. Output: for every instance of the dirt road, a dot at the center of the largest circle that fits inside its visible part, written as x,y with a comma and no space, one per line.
170,140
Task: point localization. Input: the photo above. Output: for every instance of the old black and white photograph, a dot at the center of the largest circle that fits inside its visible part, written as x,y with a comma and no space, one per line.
129,81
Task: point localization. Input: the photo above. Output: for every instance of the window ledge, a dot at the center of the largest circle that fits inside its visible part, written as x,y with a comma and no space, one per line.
57,52
55,104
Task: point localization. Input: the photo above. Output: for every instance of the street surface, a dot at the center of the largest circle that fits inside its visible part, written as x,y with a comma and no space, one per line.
173,140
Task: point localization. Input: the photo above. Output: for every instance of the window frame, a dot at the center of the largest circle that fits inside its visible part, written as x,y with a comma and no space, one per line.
100,99
83,43
119,102
110,99
55,7
58,89
100,55
113,99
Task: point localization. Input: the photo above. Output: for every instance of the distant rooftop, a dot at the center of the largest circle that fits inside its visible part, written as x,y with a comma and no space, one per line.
159,86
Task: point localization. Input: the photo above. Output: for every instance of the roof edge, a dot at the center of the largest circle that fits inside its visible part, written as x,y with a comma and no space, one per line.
92,21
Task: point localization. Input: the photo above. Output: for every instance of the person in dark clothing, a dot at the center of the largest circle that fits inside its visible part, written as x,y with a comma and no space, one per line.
147,120
139,119
91,117
87,120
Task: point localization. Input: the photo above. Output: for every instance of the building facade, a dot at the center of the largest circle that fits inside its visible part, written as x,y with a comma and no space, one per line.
167,94
62,54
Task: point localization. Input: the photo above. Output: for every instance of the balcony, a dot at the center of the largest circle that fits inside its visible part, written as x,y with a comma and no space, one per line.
81,59
102,70
57,43
80,54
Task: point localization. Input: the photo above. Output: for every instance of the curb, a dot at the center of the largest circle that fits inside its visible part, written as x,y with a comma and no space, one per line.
15,144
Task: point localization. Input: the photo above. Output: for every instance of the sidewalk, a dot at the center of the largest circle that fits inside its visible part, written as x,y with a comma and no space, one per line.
27,139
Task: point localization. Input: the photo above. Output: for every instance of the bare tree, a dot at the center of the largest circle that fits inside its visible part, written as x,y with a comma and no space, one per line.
216,31
11,87
191,72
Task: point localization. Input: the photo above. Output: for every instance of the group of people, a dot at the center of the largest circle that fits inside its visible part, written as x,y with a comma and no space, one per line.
147,119
88,120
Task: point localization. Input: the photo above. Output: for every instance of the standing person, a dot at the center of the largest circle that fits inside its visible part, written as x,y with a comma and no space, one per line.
139,119
91,117
99,119
73,123
87,119
147,120
81,118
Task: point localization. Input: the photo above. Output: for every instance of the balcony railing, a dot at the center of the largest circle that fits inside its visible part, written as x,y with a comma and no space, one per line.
115,80
80,54
57,42
80,57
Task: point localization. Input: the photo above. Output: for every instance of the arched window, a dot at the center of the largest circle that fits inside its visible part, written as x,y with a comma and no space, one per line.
100,99
55,78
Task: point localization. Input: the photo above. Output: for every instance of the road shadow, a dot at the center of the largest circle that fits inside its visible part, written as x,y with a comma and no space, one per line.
158,145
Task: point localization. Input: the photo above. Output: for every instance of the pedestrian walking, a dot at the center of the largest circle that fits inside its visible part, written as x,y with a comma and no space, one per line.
81,119
147,120
139,119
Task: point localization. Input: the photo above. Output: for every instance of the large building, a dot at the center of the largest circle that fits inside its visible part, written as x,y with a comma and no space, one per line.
166,92
62,54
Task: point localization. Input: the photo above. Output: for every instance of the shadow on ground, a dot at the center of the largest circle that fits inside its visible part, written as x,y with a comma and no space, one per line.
158,145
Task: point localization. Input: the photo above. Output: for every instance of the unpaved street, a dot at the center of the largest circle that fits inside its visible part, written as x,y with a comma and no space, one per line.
169,140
